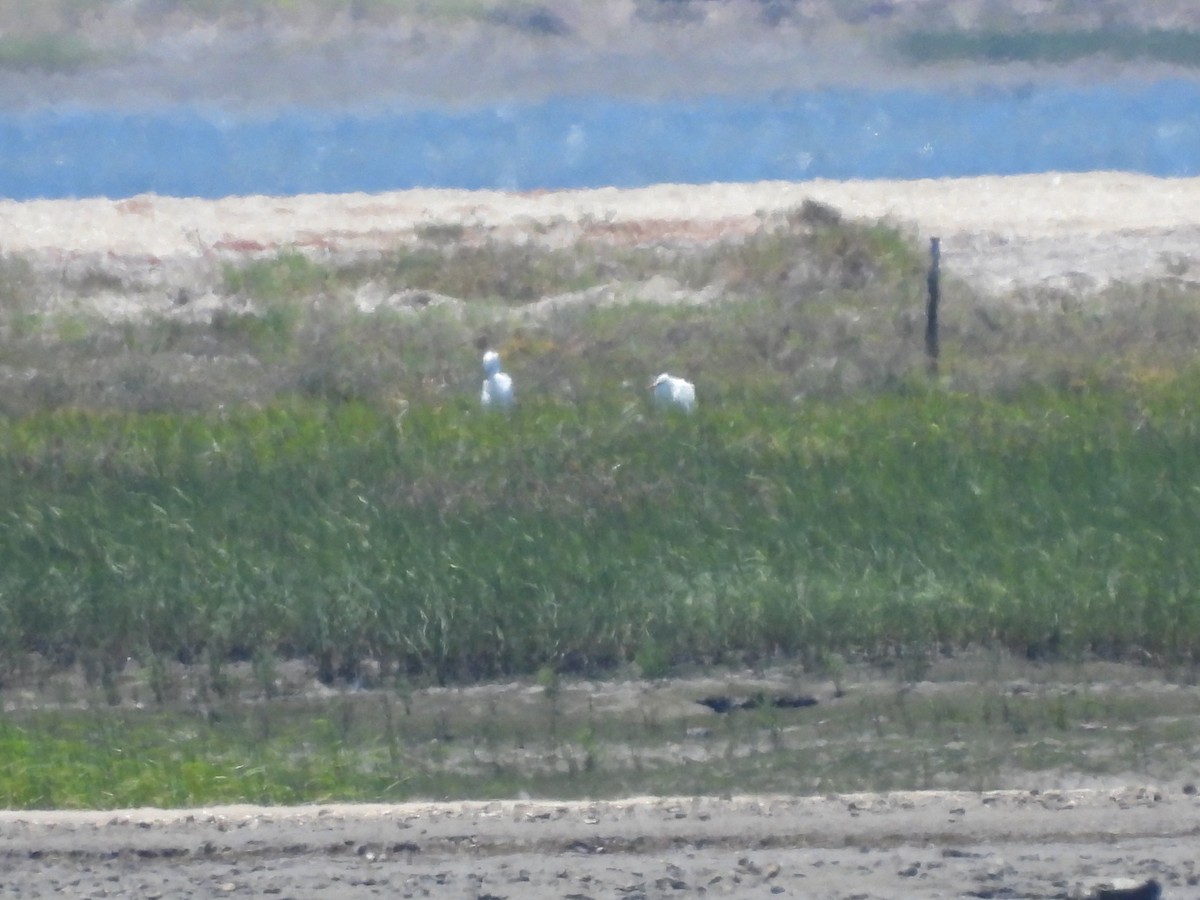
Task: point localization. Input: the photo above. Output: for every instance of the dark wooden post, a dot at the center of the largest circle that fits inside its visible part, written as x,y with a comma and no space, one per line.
931,312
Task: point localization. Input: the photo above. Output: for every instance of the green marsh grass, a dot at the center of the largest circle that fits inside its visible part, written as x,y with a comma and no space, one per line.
305,482
311,481
468,546
1123,44
47,53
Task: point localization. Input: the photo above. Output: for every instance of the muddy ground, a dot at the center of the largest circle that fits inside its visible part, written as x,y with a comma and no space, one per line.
934,844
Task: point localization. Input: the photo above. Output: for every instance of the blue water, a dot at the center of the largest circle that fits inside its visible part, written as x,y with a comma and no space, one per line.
587,142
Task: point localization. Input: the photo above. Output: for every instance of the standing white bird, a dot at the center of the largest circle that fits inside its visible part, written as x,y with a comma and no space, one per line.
497,390
675,393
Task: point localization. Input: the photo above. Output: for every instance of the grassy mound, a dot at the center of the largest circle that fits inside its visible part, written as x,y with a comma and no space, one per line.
348,501
203,503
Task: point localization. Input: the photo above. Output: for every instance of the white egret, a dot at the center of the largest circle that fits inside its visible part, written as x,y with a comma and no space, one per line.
497,390
675,393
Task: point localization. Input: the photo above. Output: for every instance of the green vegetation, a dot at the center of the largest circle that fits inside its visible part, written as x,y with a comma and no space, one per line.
47,53
971,726
116,758
340,497
72,16
462,547
1175,47
190,506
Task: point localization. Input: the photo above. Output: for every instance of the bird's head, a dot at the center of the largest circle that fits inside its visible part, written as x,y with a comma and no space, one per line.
661,379
491,362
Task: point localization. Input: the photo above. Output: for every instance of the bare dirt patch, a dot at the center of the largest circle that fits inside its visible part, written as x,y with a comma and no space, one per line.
1002,844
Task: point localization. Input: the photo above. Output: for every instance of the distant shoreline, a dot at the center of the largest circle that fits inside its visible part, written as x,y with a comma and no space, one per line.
321,54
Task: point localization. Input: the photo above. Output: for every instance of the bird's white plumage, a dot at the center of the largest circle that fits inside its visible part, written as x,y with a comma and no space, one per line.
491,363
672,392
497,390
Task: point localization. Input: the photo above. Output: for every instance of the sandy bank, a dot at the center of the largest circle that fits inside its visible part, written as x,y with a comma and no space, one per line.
1079,231
1009,843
